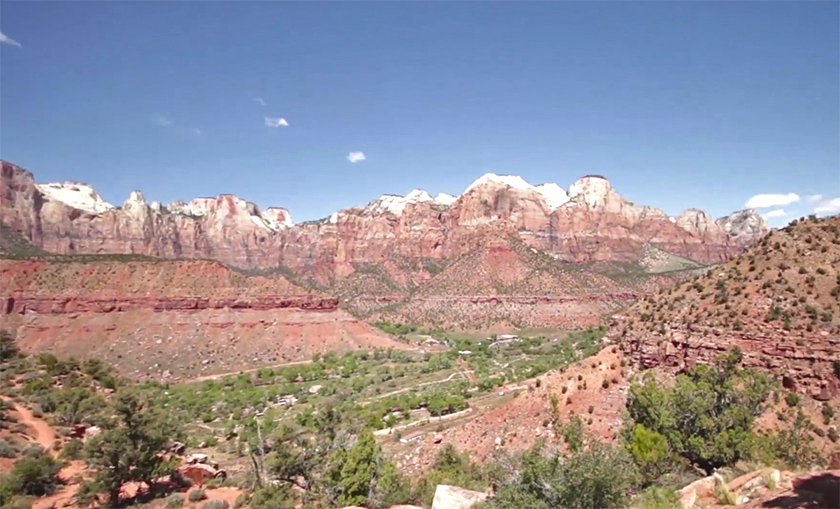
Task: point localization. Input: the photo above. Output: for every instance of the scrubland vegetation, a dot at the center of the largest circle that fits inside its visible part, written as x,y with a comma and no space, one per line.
319,449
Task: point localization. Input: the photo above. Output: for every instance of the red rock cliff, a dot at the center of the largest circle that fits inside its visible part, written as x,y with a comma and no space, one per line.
590,223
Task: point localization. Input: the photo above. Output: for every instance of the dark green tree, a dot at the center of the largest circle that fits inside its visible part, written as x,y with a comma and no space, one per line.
707,416
351,471
131,450
8,347
597,476
650,451
36,474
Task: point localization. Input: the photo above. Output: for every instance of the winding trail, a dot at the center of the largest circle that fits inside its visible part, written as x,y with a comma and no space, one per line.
41,431
399,391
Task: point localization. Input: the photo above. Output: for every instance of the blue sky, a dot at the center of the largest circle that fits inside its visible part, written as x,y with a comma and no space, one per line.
679,104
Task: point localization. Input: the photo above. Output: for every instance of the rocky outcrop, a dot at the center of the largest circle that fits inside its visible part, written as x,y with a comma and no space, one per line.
803,363
745,226
453,497
590,223
777,303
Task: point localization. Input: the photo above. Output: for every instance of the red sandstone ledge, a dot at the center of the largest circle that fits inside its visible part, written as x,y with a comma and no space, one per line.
16,304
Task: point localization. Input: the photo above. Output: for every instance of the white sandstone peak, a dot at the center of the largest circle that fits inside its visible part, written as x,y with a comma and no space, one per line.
136,197
696,221
75,194
445,199
592,188
514,181
555,196
277,218
395,203
199,206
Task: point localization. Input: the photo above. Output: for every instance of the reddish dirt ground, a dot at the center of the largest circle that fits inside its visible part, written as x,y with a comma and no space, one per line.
518,424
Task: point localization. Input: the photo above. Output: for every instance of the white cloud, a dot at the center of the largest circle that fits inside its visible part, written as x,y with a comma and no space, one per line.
814,198
9,40
196,131
260,100
276,122
162,121
828,207
763,201
775,213
355,157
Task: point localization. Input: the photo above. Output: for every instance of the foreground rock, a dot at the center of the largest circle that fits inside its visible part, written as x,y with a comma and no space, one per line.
453,497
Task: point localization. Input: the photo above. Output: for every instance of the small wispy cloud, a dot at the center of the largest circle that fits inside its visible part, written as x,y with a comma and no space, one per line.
828,207
260,101
814,198
196,131
763,201
8,40
775,213
355,157
162,121
276,122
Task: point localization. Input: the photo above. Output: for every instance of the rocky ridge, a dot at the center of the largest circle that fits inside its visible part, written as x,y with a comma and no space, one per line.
165,319
778,303
589,223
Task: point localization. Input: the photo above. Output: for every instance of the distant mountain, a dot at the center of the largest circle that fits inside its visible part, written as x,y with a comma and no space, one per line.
591,222
413,257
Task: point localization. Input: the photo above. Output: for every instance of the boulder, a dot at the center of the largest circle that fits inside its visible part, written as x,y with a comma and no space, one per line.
453,497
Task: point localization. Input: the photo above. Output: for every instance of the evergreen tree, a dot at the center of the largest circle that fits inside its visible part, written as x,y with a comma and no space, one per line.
132,449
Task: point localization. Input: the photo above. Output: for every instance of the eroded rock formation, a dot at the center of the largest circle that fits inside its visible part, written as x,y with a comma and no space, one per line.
589,223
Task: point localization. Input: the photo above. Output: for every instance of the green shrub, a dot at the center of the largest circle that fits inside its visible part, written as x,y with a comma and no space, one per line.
657,497
73,450
600,476
707,416
793,445
723,495
8,449
650,452
241,501
271,497
174,501
215,504
36,474
449,467
196,495
827,413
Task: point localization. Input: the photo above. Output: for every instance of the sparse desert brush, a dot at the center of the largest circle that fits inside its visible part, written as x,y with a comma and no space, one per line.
174,501
241,501
216,504
197,495
723,495
8,449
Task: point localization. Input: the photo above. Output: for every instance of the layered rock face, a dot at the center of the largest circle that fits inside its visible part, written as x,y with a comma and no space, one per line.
589,223
777,303
172,319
